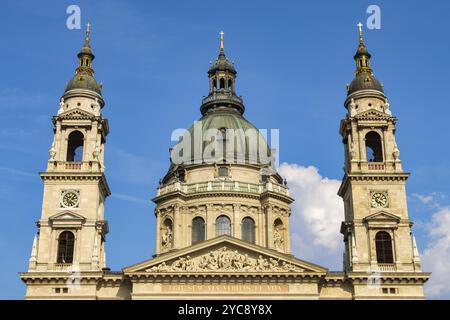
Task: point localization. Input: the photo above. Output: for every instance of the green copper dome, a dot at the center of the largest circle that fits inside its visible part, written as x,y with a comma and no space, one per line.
364,81
245,139
83,81
222,134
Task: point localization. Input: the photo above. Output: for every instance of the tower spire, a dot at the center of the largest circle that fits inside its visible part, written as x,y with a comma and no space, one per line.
88,32
84,73
362,56
364,78
222,84
85,55
222,47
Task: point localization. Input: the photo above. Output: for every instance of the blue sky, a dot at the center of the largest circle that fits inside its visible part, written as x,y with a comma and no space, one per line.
293,60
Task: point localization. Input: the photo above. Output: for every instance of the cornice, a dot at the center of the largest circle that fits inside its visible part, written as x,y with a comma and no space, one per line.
218,193
370,177
60,277
79,176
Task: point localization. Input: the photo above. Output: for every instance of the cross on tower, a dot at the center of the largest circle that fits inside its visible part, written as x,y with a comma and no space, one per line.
88,29
360,25
221,40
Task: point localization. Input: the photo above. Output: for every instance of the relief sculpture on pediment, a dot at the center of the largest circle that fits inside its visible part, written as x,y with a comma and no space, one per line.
225,259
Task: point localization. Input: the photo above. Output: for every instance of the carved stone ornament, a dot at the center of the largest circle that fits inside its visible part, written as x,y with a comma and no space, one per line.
167,236
278,240
52,152
226,260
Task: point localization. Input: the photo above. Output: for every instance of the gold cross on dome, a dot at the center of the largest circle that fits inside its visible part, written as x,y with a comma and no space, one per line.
88,29
360,25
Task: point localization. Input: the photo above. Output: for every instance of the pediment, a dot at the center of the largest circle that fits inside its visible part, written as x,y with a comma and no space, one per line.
67,216
382,216
373,114
76,113
224,254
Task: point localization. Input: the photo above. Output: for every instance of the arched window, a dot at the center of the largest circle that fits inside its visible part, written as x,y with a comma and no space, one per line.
198,230
230,85
66,243
215,84
373,147
75,147
383,246
222,83
248,230
223,226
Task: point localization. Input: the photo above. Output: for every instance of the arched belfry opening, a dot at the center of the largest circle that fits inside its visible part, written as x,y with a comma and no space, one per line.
383,245
66,244
374,150
75,145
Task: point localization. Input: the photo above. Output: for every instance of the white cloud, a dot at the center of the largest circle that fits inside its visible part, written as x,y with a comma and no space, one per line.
128,198
316,217
425,199
16,172
436,256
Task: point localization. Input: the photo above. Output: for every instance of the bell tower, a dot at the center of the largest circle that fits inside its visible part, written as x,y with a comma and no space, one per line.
377,228
72,228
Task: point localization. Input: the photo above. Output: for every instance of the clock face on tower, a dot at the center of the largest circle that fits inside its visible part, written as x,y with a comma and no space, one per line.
379,199
70,199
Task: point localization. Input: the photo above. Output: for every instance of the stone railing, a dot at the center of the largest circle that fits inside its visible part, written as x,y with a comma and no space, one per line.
386,267
63,267
66,166
376,166
235,186
219,95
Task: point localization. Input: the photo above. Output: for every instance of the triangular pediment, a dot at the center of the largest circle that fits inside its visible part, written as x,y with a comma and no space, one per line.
67,216
224,254
373,114
382,216
76,113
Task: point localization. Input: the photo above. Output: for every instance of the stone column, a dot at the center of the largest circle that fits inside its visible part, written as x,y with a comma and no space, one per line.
158,231
287,235
269,226
177,227
210,230
236,223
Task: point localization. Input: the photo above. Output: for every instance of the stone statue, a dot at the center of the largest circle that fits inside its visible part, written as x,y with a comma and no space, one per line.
278,240
96,106
61,106
261,264
52,151
387,110
396,153
96,152
352,108
166,239
351,150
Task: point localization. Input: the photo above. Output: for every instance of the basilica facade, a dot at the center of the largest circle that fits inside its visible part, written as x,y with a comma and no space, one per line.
223,220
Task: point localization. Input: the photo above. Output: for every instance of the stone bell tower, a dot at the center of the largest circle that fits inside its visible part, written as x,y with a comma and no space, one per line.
72,228
377,228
